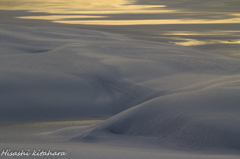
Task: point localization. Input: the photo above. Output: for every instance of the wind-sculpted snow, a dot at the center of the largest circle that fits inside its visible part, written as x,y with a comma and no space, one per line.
68,80
208,117
170,93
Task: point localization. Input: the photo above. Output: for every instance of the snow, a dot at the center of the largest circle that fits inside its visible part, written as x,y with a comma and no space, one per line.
157,100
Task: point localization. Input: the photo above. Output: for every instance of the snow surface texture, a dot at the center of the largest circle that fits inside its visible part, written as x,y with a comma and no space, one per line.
164,92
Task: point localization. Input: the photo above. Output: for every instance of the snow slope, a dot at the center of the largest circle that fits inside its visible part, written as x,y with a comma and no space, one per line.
167,93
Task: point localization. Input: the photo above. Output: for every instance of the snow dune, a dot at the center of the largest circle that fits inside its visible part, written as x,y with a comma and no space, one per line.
167,93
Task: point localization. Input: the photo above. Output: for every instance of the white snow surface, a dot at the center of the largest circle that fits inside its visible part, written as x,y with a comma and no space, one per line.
167,95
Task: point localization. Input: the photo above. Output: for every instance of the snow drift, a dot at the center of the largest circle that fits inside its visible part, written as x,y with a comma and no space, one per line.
170,93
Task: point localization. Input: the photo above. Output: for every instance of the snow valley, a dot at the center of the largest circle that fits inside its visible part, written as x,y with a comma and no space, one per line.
158,100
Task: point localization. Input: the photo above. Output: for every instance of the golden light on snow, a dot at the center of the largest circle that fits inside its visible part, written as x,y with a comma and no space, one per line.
129,13
221,32
59,17
81,6
149,22
76,12
194,42
185,40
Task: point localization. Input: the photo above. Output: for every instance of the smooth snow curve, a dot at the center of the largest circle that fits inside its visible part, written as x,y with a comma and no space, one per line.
170,93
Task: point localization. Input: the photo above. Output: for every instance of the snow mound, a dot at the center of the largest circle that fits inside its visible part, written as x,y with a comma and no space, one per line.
57,74
156,90
207,118
204,118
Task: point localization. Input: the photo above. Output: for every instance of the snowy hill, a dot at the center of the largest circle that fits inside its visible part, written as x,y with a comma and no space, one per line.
160,91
